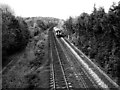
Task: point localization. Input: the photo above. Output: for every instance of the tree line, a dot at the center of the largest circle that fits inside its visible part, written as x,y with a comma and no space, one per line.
18,31
98,36
15,34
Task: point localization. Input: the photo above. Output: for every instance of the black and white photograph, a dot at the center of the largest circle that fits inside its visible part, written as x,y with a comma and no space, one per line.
59,44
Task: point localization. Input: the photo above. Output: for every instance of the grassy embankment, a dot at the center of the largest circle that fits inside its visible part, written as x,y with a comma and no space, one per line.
30,71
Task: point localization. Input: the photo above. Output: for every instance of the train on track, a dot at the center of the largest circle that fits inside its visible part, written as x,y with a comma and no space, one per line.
58,32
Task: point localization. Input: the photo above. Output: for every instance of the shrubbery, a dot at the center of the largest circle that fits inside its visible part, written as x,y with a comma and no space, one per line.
98,36
15,34
38,25
44,25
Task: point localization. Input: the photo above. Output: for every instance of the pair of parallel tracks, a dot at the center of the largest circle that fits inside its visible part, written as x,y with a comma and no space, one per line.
58,78
66,72
63,74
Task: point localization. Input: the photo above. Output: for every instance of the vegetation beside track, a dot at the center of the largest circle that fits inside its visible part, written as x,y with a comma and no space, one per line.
15,34
25,42
98,36
31,70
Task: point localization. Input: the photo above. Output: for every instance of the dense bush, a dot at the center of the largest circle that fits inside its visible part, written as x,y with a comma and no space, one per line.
98,36
38,25
45,25
15,33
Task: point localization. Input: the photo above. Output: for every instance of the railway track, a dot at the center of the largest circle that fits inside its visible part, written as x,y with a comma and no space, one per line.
58,77
63,73
67,72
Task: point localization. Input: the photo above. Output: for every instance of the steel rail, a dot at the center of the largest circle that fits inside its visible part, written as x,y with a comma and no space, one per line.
85,72
53,76
78,78
67,86
94,65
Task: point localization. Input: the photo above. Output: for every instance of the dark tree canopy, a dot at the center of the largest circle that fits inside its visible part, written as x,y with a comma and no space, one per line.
99,37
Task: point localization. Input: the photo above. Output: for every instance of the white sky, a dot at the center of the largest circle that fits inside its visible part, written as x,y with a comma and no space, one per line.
55,8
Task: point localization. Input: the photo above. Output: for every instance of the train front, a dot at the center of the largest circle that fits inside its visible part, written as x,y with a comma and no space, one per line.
58,32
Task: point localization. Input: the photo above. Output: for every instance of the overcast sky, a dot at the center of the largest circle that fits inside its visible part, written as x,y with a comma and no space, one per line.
55,8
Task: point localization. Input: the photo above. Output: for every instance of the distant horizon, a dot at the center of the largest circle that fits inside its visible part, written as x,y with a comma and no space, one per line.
61,9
